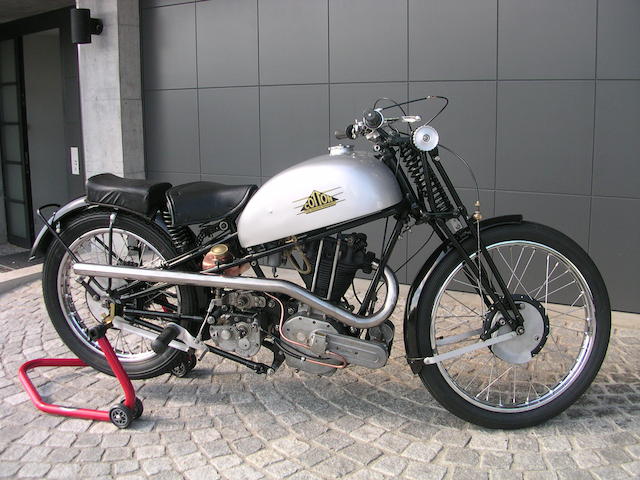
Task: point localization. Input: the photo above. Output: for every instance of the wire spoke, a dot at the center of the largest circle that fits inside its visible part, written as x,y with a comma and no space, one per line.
82,312
509,267
464,305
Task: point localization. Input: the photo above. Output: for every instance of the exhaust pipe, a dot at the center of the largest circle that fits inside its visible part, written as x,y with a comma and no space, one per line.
249,283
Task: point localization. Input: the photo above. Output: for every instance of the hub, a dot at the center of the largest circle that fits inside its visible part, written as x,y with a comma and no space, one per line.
524,347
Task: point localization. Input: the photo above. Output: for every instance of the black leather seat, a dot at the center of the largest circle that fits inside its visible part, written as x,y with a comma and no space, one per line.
200,202
141,196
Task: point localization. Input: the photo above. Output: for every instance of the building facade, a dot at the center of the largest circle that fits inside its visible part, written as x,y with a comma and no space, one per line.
544,101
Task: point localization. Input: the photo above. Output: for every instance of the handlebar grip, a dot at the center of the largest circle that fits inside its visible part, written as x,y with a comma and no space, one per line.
162,341
340,135
348,133
372,118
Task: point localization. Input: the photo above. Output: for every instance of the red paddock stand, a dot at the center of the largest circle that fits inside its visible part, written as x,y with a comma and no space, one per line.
121,415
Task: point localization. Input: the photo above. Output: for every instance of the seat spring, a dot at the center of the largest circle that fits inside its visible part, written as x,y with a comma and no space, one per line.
415,166
180,236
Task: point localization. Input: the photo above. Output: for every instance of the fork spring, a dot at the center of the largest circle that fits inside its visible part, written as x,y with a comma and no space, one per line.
425,181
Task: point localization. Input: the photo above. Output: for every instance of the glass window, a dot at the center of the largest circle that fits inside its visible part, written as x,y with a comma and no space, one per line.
7,61
9,104
11,143
17,221
13,183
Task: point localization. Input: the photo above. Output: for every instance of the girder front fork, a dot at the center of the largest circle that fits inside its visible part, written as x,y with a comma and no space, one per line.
504,304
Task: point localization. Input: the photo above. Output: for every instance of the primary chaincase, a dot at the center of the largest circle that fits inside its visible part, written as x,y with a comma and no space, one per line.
320,337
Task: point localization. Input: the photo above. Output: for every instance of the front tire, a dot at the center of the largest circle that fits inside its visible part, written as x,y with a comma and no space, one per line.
72,310
508,386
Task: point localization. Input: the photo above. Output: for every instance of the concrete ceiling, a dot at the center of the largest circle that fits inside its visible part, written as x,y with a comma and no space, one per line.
15,9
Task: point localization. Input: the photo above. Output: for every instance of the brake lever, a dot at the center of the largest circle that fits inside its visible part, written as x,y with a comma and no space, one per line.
404,119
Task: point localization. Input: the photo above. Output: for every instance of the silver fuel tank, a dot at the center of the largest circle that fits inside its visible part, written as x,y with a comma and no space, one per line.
320,192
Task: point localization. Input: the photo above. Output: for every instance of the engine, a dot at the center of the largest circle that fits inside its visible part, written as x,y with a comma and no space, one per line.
335,262
310,341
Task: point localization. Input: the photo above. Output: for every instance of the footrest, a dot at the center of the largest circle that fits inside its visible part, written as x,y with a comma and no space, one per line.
121,415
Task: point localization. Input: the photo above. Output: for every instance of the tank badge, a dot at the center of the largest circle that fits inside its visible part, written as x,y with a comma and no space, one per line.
317,201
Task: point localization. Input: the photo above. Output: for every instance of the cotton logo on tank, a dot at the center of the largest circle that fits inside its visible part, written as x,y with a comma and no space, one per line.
318,201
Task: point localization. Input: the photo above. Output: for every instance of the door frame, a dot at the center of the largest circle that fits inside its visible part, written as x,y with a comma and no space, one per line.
15,30
24,152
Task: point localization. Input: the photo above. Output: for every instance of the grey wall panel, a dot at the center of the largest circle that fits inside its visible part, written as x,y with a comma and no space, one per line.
232,179
173,177
277,77
304,60
453,40
616,169
615,236
468,126
227,42
171,131
169,47
293,125
546,39
348,101
618,39
415,240
368,40
229,130
567,213
545,136
161,3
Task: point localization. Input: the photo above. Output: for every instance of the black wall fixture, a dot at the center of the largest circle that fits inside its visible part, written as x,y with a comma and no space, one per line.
83,26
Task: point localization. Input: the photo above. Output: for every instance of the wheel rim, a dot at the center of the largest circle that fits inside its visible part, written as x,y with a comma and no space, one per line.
119,417
484,379
82,312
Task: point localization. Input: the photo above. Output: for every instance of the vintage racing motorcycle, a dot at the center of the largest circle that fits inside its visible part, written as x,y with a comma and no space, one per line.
507,323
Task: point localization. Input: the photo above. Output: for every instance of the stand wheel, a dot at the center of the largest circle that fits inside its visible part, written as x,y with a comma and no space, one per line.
121,416
137,408
184,365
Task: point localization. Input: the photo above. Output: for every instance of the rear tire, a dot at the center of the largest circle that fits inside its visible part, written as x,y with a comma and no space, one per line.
71,314
460,384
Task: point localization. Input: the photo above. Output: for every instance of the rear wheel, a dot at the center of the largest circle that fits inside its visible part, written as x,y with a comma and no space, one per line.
72,309
534,376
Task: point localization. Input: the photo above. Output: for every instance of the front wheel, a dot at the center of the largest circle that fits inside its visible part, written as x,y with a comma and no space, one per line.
534,376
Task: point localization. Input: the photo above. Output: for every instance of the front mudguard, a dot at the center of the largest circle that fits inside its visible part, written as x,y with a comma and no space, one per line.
411,317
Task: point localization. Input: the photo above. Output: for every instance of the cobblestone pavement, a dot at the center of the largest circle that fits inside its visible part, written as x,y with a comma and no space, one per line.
356,424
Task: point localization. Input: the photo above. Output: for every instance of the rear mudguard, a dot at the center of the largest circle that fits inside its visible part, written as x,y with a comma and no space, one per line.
44,238
411,317
65,214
